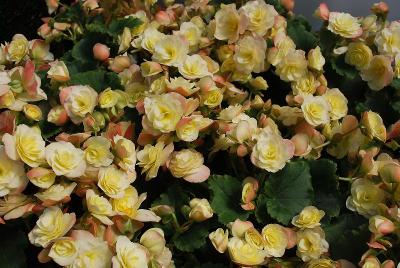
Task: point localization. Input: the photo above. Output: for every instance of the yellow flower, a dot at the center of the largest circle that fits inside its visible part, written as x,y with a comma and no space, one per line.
154,241
315,59
365,197
190,32
124,40
171,50
379,72
97,151
99,207
189,127
243,253
181,86
359,55
65,159
193,67
213,97
271,152
26,144
150,38
283,46
200,210
56,192
18,48
125,153
41,177
250,54
164,111
374,125
388,40
12,174
230,112
150,68
261,16
397,66
58,72
151,158
32,112
309,217
307,85
51,225
79,101
129,254
113,181
344,25
259,83
311,244
188,164
337,102
64,251
316,110
293,66
254,238
229,23
275,240
219,239
108,98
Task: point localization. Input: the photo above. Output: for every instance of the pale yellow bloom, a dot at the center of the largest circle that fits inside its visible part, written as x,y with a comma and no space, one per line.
379,72
229,23
193,67
283,46
150,38
181,86
388,41
293,66
97,151
12,174
99,207
18,48
58,71
129,254
125,152
124,40
51,225
108,98
64,251
219,239
188,164
374,126
79,102
316,110
33,112
261,16
154,241
151,158
190,128
254,238
243,129
276,240
311,244
309,217
230,112
56,192
359,55
337,102
307,85
200,210
190,32
243,253
344,25
213,98
65,159
250,54
114,181
41,177
315,58
170,50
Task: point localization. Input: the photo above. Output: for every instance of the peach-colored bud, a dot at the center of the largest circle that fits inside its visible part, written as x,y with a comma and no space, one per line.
257,102
367,163
249,190
40,50
61,26
57,115
101,52
239,228
58,72
390,172
205,84
150,68
288,4
380,8
242,150
292,237
322,12
44,30
162,210
321,90
163,18
301,144
388,264
153,239
119,63
381,225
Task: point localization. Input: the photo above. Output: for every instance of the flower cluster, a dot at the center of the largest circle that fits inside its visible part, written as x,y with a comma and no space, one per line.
155,99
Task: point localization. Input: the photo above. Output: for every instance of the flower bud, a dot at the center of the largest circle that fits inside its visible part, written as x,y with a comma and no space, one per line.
40,50
101,52
201,209
322,12
33,112
219,239
153,239
119,63
380,8
162,210
301,144
44,30
57,115
381,225
58,72
90,4
150,68
163,18
239,228
242,150
373,125
288,4
390,172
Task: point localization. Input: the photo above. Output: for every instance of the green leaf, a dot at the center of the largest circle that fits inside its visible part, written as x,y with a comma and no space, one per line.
396,83
326,186
342,68
193,238
171,198
97,79
300,31
226,192
48,129
83,50
117,25
288,191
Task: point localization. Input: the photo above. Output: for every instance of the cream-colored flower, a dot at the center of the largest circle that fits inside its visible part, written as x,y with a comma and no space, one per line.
18,48
151,158
124,40
283,46
150,68
200,210
271,152
229,23
230,112
344,25
65,159
78,101
125,153
64,251
311,244
189,127
316,60
150,38
193,67
171,50
97,151
99,207
52,224
307,85
259,83
388,41
243,129
212,98
181,86
26,144
293,66
41,177
190,32
275,240
164,111
243,253
129,254
12,174
374,126
250,54
114,181
108,98
219,239
261,16
365,197
254,238
379,72
188,164
154,241
359,55
32,112
56,192
58,72
337,102
316,110
309,217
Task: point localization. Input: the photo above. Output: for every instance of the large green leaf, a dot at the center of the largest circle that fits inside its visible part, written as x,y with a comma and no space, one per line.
97,79
342,68
300,31
193,238
226,192
288,191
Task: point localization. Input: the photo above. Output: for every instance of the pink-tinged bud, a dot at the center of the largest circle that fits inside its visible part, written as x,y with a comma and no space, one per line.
321,90
163,18
52,5
57,115
242,150
322,12
249,190
291,236
40,50
101,52
41,177
381,225
200,210
239,228
380,8
388,264
205,84
61,26
390,172
44,30
288,4
162,210
301,144
119,63
367,163
371,262
153,239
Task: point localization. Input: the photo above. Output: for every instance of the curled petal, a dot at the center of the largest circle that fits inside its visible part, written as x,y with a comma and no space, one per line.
201,174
